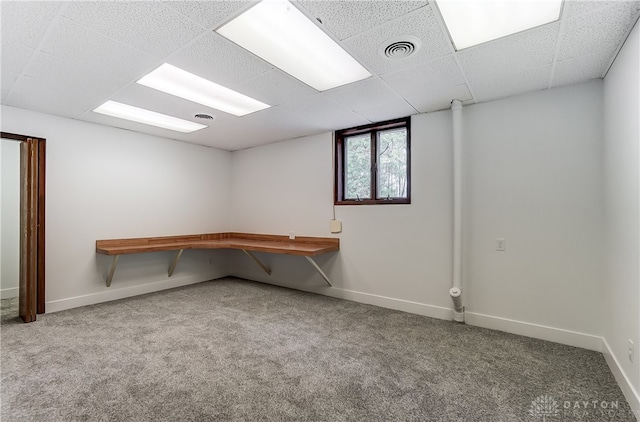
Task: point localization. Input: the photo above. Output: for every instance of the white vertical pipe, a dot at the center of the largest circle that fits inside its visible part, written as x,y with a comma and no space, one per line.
456,290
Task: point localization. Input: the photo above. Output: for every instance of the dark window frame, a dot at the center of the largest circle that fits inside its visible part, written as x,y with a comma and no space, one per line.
373,130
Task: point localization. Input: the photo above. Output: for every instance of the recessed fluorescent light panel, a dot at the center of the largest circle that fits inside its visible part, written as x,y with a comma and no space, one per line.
148,117
278,32
472,22
178,82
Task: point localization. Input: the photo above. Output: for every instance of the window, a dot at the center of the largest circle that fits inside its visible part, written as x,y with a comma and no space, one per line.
373,164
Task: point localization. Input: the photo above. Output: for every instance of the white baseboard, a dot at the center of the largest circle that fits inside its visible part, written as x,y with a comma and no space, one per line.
367,298
9,293
623,381
557,335
391,303
115,294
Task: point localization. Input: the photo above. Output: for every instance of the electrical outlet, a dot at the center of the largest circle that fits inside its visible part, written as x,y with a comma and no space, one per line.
630,350
500,244
292,235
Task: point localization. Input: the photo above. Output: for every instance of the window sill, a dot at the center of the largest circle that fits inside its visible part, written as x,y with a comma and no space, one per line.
403,201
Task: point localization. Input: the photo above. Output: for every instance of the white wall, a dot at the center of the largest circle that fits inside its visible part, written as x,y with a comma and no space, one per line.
534,177
621,279
10,218
107,183
389,255
533,174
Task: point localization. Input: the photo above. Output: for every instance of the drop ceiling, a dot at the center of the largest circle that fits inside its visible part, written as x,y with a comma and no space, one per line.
67,58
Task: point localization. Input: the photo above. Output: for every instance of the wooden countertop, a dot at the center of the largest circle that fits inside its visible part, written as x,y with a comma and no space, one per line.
302,246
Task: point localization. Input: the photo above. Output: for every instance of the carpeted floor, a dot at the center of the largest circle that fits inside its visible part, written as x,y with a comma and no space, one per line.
237,350
9,310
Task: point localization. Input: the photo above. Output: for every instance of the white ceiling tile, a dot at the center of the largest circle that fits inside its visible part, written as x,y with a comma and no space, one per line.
38,95
193,137
578,7
14,56
598,32
219,60
8,79
274,87
345,19
367,93
224,131
420,23
152,99
57,71
325,113
438,98
387,111
147,25
50,5
425,77
90,64
80,65
23,22
510,55
210,14
506,86
580,69
263,127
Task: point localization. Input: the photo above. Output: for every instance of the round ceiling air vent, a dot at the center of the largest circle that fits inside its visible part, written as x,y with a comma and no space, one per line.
204,116
399,47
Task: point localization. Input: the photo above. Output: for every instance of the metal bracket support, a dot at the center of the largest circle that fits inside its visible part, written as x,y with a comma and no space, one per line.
175,262
312,262
112,270
255,258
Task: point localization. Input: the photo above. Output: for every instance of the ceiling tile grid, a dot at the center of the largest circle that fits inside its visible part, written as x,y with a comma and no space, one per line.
28,22
66,58
598,32
573,8
366,93
580,69
92,65
323,112
510,55
508,85
274,88
40,95
150,27
160,102
210,14
219,60
15,57
8,79
345,19
101,119
387,111
420,23
50,5
439,98
263,127
430,76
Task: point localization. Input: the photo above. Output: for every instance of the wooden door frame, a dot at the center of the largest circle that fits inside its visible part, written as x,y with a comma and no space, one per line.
38,210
